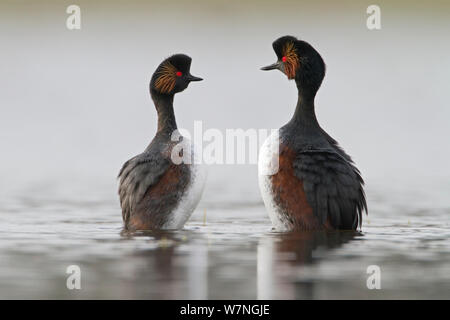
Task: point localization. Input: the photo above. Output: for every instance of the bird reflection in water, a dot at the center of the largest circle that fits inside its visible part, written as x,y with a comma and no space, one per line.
282,257
181,265
170,273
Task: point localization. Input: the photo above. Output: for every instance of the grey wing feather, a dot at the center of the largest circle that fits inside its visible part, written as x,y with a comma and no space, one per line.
136,176
333,187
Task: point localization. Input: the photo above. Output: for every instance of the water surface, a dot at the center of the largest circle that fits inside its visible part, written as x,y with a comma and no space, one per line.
226,251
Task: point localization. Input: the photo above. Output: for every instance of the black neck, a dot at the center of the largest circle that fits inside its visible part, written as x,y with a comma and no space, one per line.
166,115
305,114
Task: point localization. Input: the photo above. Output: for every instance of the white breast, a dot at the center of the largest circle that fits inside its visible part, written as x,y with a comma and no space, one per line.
267,166
191,196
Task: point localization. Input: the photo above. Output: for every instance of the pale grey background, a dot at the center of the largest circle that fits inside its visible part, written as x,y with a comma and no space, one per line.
75,104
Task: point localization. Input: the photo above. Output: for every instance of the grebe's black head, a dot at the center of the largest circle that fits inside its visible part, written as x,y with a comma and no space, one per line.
172,75
298,60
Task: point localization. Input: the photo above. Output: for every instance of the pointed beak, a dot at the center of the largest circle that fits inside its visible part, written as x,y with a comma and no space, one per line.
276,65
193,78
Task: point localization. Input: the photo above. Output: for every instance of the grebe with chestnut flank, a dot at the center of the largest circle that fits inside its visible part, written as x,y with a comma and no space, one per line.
155,192
317,186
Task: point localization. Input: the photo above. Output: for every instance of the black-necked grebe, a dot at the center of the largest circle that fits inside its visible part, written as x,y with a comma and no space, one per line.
316,186
155,191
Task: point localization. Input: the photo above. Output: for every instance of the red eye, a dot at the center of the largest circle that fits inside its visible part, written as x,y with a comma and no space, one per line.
284,59
179,74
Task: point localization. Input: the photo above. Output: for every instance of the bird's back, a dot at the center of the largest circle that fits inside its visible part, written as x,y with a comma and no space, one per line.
152,188
316,187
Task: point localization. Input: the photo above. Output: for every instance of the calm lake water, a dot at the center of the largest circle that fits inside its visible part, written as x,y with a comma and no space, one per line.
228,253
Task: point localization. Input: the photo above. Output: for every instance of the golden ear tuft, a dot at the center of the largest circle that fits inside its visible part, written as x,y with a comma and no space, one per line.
292,62
165,81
